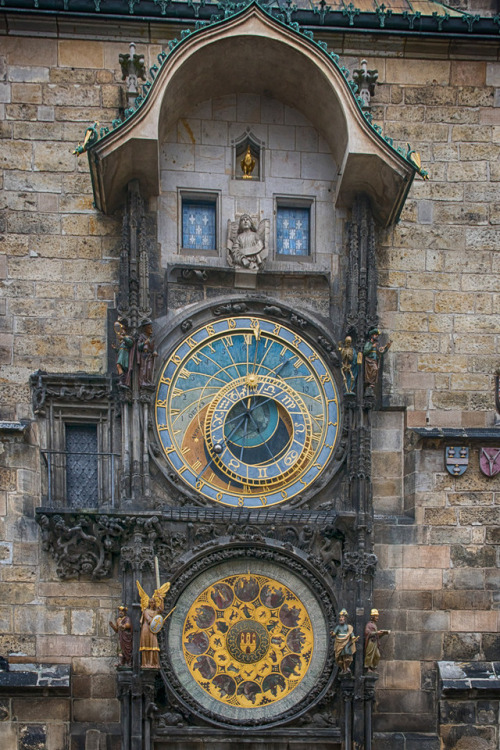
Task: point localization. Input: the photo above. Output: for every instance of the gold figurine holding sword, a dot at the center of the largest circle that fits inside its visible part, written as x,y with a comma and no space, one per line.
151,622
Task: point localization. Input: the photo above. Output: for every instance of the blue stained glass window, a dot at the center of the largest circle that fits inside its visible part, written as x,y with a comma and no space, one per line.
198,224
293,231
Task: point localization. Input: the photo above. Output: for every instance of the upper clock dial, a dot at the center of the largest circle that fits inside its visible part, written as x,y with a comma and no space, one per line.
247,412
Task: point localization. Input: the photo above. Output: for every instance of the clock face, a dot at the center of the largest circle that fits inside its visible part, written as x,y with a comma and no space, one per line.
247,412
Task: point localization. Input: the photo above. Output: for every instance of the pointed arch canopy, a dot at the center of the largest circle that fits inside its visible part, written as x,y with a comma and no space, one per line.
252,52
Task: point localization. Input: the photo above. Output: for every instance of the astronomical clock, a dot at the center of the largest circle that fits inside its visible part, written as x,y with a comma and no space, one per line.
247,412
248,423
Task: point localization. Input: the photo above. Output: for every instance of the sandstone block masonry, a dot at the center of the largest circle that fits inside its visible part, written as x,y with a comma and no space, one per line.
439,270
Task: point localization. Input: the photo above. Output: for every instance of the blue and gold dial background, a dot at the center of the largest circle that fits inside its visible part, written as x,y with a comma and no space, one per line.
247,412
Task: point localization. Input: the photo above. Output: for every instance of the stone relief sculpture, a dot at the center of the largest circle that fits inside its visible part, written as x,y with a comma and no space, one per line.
152,612
345,643
372,642
123,628
247,242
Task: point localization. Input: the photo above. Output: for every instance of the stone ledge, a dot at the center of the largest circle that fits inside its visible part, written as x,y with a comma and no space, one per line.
13,428
460,433
405,741
478,679
35,678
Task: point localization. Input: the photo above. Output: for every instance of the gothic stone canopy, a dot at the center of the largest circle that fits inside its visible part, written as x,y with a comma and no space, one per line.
208,63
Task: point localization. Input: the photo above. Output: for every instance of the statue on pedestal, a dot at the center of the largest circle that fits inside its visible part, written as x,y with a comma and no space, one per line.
123,627
146,355
345,643
124,360
372,641
372,353
349,364
151,623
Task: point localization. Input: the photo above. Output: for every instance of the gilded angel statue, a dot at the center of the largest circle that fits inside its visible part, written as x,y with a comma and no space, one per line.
247,244
151,623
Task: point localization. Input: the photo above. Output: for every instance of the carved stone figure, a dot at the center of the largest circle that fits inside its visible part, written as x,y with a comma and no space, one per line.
123,627
372,641
246,243
151,607
372,353
349,364
123,360
345,643
146,355
247,164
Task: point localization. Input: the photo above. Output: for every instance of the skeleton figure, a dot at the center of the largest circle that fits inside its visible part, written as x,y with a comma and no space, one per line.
246,243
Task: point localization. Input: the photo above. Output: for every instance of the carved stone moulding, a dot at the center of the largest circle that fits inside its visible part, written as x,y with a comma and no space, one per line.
248,642
68,387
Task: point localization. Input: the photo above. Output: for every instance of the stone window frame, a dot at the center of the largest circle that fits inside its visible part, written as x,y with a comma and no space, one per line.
296,201
214,196
53,448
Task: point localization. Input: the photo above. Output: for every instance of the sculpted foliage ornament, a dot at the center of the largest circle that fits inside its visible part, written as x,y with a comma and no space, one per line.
82,545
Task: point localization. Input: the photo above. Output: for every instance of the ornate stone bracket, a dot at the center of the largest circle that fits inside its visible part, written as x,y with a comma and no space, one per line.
82,544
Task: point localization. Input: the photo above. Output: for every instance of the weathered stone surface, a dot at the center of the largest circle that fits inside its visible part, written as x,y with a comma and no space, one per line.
41,709
468,738
491,645
457,646
98,711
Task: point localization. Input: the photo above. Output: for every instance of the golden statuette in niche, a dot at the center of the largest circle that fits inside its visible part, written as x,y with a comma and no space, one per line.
247,164
248,640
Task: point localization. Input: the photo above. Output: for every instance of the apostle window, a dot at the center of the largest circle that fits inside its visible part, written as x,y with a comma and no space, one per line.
199,222
293,229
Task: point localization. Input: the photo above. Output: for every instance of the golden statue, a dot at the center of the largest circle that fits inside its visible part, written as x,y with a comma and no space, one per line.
247,164
152,609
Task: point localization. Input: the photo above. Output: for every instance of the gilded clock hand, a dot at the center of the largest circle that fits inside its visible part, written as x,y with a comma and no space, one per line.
245,430
272,374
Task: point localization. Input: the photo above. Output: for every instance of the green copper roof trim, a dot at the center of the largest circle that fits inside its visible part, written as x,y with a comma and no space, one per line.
232,10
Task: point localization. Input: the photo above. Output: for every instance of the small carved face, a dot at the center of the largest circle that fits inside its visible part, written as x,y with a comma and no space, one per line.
374,618
348,341
245,222
342,619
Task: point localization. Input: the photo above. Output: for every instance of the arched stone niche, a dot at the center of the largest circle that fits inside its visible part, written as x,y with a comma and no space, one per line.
252,53
197,159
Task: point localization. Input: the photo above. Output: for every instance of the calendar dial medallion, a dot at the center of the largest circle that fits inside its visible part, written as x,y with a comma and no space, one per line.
247,412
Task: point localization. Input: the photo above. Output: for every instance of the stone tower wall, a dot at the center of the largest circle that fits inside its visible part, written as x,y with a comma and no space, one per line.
439,280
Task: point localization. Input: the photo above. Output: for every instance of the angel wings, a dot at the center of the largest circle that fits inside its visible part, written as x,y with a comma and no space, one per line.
158,596
247,242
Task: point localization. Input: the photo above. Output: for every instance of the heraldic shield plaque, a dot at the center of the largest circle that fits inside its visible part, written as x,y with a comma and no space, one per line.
248,643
